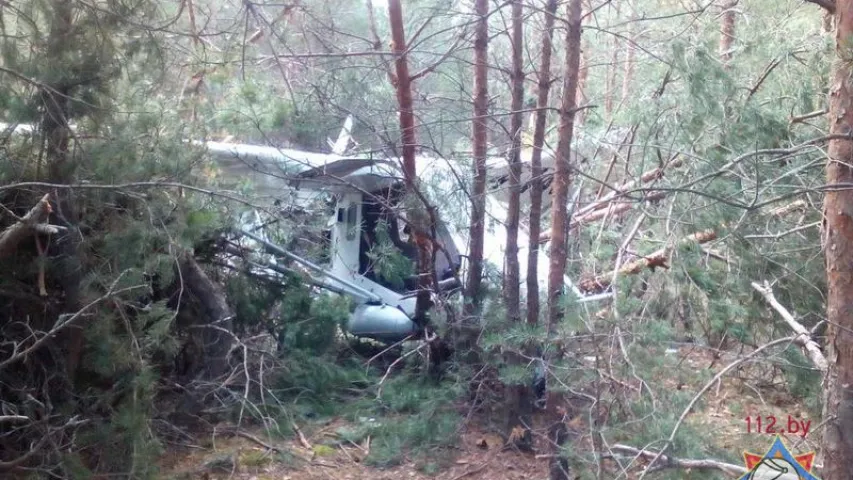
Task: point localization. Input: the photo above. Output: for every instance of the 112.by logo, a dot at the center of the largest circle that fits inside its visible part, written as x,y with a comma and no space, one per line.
778,464
768,424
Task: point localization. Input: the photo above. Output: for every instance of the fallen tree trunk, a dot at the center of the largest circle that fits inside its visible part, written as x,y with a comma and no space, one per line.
659,258
213,318
804,338
26,226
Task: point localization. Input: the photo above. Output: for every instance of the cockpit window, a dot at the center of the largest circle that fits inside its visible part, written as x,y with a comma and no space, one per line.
352,221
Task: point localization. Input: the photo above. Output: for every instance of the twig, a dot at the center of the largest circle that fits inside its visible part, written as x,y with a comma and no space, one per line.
803,338
704,389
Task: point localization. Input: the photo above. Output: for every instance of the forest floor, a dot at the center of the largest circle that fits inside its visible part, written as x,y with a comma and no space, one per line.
319,453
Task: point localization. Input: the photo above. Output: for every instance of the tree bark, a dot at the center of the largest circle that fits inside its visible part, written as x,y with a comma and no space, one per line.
419,224
214,318
563,168
838,245
544,85
473,300
512,275
727,32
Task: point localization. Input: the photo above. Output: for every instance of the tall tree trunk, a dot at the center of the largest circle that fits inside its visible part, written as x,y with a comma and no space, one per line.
838,221
56,102
727,32
563,168
519,401
512,273
544,85
419,220
473,296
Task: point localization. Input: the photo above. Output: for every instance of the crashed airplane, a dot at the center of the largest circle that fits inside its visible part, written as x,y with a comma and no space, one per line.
367,191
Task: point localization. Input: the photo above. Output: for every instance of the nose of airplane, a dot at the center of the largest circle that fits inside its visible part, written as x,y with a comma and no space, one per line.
380,322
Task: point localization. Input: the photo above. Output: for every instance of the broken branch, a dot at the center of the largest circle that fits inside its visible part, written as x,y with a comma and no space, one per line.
656,259
803,338
672,462
16,233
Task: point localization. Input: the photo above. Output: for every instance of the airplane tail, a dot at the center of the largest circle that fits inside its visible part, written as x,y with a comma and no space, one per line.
339,146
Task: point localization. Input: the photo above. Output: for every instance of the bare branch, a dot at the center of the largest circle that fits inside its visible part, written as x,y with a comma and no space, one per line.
672,462
803,338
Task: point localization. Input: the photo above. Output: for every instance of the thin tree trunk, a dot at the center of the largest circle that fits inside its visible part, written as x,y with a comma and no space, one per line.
563,168
519,401
630,54
838,221
610,81
536,164
727,32
512,274
473,296
420,224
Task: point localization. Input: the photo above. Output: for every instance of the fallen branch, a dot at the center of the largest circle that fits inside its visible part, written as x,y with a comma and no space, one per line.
646,177
803,338
615,209
659,258
672,462
807,116
17,232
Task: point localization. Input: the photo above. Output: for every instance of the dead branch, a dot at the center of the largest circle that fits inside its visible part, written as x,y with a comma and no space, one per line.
799,205
659,258
672,462
14,234
646,177
807,116
615,209
803,338
14,418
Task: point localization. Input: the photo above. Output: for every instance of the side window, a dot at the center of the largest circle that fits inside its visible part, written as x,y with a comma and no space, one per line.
352,221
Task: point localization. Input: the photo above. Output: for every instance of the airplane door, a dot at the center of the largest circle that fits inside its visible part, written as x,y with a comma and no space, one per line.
346,235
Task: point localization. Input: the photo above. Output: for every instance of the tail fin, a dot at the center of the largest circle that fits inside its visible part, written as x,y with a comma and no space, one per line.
339,146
